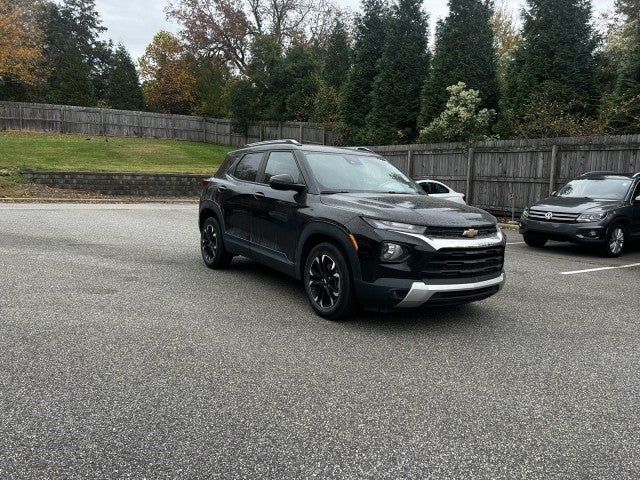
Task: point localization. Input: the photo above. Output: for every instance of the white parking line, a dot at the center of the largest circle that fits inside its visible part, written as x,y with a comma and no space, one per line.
600,269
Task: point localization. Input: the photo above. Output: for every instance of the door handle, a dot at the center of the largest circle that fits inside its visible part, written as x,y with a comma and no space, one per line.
258,195
222,188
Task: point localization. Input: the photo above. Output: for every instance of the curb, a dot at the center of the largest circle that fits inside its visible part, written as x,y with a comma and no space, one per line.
509,226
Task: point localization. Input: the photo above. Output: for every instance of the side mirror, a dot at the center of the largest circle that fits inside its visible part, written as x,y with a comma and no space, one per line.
285,182
637,199
553,194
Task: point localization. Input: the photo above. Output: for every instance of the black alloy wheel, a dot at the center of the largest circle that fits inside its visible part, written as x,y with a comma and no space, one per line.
328,282
212,246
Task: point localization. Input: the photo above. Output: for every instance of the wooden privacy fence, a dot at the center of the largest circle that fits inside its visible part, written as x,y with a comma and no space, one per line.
504,174
496,175
37,117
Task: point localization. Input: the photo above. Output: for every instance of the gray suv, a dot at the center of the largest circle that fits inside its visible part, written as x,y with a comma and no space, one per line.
599,208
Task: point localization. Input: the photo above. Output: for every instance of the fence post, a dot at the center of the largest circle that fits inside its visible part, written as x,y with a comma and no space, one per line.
553,174
61,119
173,127
470,175
102,127
204,129
300,134
410,163
324,135
281,132
261,131
21,115
215,132
139,125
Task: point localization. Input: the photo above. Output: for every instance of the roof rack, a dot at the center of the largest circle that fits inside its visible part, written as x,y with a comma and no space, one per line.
599,173
362,149
287,141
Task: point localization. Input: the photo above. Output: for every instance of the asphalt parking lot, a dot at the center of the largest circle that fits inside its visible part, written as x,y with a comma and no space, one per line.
122,356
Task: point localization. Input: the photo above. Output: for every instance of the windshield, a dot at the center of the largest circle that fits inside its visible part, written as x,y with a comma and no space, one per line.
344,172
605,188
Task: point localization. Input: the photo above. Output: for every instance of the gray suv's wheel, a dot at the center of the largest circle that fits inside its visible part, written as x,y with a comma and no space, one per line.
616,241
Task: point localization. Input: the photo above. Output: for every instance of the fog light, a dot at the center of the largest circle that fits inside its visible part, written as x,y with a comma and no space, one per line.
593,233
391,252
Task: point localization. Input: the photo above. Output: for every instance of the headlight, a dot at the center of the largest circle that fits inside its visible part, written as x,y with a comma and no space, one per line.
398,227
592,217
392,252
525,214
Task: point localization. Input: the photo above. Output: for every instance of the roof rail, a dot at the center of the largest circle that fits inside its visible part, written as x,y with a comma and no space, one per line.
362,149
287,141
637,175
599,173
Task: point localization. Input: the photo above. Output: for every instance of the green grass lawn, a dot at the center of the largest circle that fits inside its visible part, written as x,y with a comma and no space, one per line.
98,154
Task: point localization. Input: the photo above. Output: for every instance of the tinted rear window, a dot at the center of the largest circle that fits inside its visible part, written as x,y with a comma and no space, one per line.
247,168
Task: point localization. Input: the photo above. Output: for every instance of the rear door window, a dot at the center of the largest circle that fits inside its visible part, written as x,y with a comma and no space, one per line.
247,168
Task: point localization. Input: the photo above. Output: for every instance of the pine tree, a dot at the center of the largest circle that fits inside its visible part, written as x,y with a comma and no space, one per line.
464,52
629,8
625,109
556,58
355,102
123,85
70,84
337,56
403,66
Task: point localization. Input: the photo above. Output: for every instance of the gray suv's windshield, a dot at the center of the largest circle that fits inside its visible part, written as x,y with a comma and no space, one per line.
605,188
344,172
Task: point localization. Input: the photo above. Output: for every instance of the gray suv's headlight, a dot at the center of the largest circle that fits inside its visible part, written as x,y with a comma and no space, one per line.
525,214
592,217
396,226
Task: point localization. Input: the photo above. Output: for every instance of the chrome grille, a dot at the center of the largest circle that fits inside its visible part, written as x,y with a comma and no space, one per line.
457,232
541,215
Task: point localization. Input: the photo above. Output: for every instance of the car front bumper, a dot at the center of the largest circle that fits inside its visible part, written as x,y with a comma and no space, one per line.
585,233
420,293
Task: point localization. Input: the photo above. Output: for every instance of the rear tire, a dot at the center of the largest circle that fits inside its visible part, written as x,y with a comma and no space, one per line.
616,241
535,240
214,254
328,282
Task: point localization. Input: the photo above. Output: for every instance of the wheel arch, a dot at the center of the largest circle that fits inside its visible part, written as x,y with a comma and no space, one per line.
207,210
320,232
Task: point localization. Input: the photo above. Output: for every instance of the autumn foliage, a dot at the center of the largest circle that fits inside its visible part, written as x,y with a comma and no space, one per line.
21,43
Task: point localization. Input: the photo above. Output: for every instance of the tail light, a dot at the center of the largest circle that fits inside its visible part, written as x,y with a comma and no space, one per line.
205,182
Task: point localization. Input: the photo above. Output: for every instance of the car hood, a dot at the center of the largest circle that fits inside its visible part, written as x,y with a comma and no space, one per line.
413,209
575,205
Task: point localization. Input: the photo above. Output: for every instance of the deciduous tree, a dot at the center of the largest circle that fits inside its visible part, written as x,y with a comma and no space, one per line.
228,28
167,73
462,120
21,43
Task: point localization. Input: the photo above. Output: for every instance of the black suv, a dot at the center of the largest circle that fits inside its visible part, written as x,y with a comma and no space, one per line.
349,224
599,208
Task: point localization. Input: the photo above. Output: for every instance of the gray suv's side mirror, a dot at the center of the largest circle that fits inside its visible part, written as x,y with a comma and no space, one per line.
285,182
637,200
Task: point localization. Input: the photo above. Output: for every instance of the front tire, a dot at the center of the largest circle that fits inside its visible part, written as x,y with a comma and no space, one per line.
616,241
328,282
214,254
535,240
